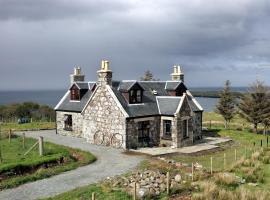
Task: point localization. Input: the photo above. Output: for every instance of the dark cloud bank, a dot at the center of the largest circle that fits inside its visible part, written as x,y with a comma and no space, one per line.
41,41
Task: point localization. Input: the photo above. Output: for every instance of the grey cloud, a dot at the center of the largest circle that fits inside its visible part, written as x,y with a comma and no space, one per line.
56,9
41,39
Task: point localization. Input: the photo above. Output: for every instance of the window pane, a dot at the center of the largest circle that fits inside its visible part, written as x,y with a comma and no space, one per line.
138,96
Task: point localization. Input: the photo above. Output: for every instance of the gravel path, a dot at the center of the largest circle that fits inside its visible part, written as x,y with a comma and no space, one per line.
110,162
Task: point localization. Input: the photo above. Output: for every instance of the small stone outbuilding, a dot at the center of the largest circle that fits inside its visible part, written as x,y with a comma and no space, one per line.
130,114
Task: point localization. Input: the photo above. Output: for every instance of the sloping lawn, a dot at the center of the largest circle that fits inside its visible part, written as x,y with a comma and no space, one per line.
17,168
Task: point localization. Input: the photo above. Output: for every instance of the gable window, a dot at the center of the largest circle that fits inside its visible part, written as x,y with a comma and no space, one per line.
68,122
167,124
185,128
135,96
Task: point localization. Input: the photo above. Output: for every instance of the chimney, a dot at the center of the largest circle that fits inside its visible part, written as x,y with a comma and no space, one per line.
104,74
77,76
177,74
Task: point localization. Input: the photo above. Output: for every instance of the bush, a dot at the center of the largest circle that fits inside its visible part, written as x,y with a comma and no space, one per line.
226,179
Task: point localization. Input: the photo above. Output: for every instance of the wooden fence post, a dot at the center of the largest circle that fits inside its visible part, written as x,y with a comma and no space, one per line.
267,141
93,196
9,136
135,191
210,124
168,183
211,165
245,152
192,172
224,161
23,140
261,143
235,155
41,146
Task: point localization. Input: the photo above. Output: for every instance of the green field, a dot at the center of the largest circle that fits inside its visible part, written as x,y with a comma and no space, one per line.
17,168
28,126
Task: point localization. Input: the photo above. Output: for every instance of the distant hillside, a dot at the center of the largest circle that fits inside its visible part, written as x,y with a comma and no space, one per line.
212,94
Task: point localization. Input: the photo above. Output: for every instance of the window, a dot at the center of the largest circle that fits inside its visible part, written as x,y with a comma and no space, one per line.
75,94
68,123
135,96
185,128
143,133
167,125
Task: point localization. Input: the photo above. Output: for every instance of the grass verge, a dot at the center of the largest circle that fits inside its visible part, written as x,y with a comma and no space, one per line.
17,169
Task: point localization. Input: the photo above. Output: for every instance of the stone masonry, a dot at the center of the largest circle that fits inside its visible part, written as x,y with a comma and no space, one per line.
76,124
103,121
177,127
132,131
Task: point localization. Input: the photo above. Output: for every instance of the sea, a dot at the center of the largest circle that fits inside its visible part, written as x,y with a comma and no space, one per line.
52,97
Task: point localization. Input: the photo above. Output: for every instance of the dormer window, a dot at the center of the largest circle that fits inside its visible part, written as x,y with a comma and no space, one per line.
135,96
74,93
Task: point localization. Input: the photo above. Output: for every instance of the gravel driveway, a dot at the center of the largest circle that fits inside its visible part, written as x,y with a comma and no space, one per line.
110,162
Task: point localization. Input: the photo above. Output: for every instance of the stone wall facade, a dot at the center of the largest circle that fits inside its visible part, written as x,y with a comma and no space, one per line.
133,131
197,126
104,123
76,130
178,139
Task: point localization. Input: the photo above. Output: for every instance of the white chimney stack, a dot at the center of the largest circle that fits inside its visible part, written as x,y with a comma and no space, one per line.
76,76
177,74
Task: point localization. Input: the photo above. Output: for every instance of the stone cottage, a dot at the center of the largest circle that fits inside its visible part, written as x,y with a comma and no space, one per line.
129,113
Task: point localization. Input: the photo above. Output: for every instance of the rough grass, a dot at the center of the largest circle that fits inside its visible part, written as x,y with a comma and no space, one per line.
37,167
85,193
210,191
28,126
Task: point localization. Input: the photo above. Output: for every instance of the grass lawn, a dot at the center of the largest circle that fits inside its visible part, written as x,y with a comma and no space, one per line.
85,193
16,169
243,143
28,126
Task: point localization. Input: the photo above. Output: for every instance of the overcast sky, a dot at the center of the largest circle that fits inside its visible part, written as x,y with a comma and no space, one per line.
42,40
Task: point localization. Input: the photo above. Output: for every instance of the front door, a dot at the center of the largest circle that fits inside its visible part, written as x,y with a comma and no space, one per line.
144,133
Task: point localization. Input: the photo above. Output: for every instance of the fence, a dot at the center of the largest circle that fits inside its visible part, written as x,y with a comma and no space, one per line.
8,134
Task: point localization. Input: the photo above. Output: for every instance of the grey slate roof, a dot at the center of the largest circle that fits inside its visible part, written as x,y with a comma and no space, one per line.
172,85
73,106
168,105
82,85
160,103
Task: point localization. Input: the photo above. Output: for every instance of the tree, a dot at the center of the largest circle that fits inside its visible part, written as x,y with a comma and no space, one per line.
254,105
148,76
226,104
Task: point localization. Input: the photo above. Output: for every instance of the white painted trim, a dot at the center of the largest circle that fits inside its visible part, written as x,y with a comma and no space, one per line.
144,119
89,99
75,101
194,100
135,104
158,105
169,97
166,118
180,104
61,101
117,101
129,81
132,85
